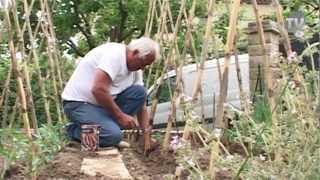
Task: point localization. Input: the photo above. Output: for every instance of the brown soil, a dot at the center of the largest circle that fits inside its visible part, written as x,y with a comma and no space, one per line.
154,166
67,164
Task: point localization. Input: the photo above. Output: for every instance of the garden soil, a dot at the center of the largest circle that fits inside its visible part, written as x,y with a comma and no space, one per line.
67,163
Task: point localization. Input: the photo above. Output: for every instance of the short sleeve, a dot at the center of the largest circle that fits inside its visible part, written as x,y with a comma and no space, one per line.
110,65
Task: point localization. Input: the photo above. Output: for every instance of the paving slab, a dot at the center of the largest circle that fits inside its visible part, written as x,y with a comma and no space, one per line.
108,165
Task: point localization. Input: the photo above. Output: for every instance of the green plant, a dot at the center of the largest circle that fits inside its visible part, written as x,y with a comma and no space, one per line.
15,147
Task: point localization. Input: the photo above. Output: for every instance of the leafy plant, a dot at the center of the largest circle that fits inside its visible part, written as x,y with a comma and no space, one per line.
15,147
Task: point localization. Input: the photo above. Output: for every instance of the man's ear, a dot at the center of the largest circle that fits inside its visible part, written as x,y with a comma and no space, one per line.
136,52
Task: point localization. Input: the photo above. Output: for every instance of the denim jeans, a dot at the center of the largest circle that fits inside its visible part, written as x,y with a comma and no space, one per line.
129,101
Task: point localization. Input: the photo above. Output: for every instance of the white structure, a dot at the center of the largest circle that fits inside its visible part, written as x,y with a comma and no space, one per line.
210,86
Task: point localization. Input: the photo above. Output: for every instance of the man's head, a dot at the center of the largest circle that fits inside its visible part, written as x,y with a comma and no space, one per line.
141,53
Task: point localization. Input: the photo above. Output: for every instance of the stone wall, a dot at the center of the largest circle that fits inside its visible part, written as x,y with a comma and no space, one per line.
256,54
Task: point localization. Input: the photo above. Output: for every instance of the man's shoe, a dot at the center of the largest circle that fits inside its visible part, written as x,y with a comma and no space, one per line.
123,144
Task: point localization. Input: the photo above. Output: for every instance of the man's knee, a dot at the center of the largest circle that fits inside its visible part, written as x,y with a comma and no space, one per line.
139,91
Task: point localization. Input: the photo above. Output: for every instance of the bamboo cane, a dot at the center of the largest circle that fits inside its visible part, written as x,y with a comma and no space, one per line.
179,87
219,70
148,125
149,25
198,80
25,69
280,21
55,50
238,69
165,7
37,66
5,111
214,155
20,89
13,113
170,119
54,85
160,22
228,49
50,51
151,6
5,90
34,118
158,84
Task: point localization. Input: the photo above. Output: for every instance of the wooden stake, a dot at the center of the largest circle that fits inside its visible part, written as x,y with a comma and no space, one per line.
5,90
179,86
228,49
171,54
55,51
25,69
50,50
37,66
281,27
20,89
197,84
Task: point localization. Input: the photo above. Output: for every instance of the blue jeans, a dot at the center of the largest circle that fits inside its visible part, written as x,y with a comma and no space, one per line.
129,101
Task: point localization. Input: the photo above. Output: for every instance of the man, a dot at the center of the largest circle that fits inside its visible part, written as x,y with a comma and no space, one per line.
107,89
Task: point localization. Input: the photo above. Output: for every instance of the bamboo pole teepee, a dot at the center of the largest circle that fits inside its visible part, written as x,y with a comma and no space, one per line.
15,68
25,68
36,63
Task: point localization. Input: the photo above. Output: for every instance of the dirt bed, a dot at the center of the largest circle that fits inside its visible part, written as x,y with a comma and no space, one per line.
155,166
67,163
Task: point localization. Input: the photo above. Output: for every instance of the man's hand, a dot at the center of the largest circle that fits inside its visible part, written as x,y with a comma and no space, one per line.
127,121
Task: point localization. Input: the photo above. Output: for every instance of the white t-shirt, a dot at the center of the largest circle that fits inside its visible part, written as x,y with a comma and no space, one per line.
109,57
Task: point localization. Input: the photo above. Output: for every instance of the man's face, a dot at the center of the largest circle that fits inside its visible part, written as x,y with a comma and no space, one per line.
141,62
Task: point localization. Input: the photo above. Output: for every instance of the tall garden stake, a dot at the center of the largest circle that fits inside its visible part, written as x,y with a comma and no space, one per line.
228,49
15,68
25,69
204,52
37,66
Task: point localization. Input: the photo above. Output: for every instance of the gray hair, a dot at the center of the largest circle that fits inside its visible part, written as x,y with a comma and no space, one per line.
145,46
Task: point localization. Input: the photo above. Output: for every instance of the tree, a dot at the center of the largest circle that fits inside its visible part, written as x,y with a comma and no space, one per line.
94,22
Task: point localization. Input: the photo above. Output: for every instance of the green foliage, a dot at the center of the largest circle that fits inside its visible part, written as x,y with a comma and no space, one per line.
309,8
262,112
15,147
49,140
94,22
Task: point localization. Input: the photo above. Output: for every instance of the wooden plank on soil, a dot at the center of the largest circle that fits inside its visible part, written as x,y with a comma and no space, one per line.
108,164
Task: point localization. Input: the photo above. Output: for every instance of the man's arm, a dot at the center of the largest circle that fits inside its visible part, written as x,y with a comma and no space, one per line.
101,91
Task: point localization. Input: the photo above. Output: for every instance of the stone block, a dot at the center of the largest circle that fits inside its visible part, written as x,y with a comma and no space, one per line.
109,152
267,25
270,37
257,50
273,59
108,165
